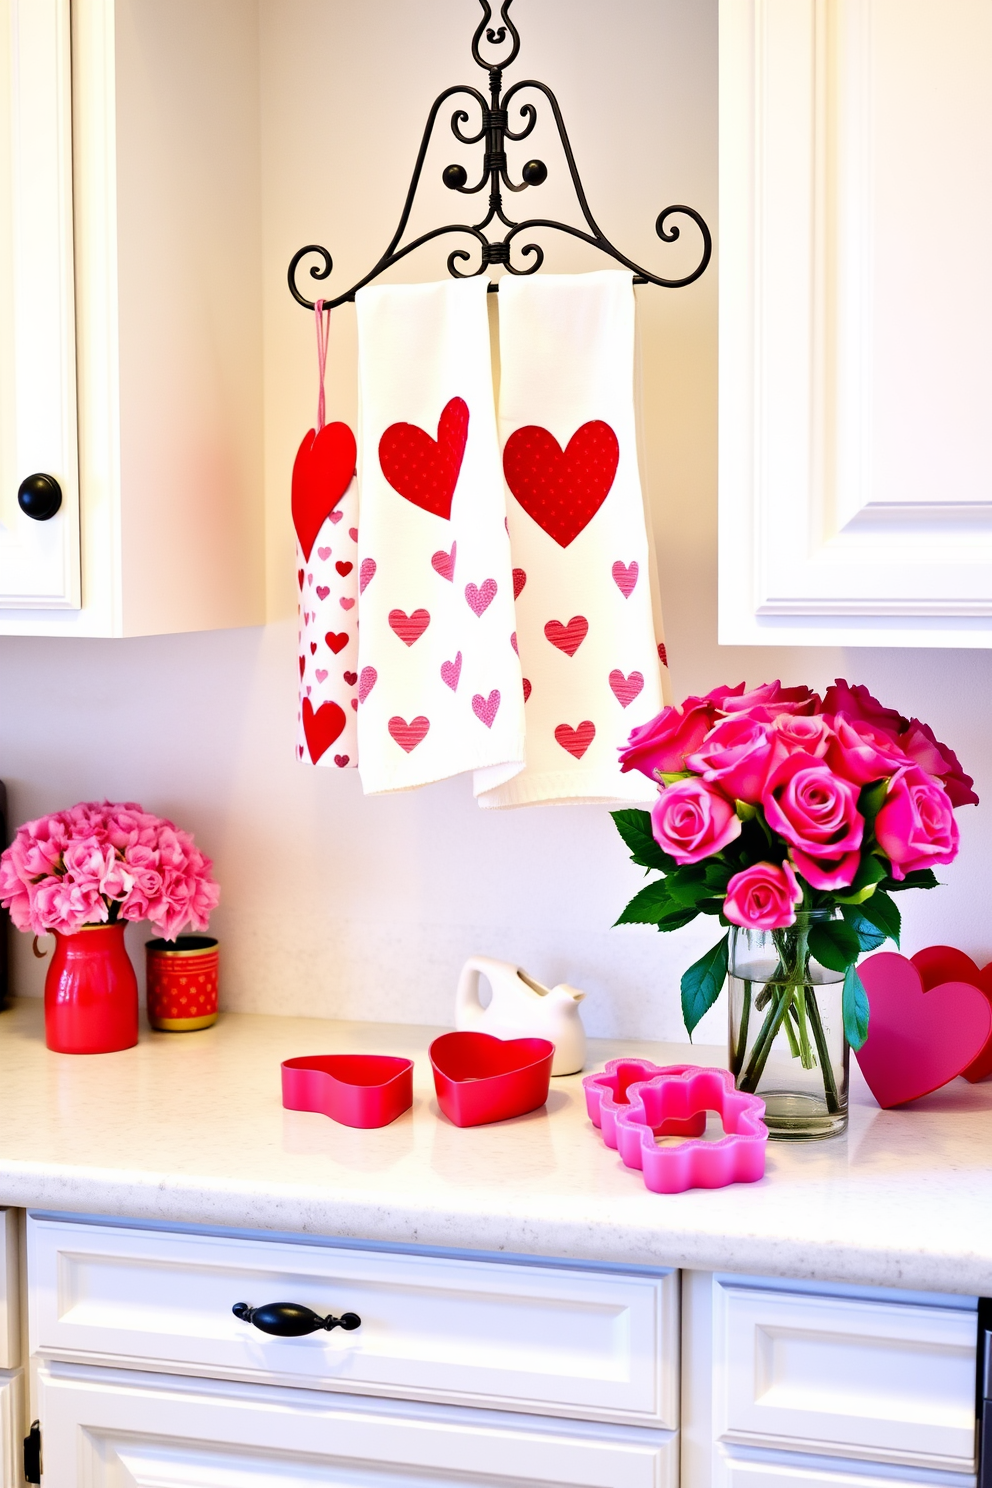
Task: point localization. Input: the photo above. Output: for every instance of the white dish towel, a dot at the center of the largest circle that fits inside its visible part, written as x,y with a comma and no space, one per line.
439,683
586,628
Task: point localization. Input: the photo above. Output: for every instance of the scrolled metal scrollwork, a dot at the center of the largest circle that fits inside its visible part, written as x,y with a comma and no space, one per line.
495,129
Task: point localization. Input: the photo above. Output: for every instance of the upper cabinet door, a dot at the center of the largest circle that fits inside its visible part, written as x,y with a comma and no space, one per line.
39,560
856,322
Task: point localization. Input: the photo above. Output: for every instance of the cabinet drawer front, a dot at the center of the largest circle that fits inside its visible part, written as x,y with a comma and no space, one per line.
103,1428
532,1338
886,1380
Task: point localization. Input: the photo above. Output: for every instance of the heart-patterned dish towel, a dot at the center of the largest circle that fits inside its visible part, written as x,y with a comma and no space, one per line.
586,630
439,684
325,516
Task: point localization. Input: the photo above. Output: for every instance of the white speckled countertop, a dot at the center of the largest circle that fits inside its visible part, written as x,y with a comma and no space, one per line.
189,1128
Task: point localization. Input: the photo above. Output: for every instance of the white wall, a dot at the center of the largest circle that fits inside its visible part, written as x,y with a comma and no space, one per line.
334,905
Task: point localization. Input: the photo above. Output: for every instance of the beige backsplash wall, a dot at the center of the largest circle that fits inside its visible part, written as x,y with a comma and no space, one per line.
333,904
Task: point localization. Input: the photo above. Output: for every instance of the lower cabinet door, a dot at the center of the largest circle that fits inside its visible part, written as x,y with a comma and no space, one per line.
103,1428
11,1428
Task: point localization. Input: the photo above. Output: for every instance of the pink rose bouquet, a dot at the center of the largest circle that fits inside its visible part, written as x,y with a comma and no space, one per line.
777,802
101,862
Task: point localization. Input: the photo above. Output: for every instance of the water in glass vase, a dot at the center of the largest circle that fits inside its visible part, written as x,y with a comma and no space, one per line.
787,1039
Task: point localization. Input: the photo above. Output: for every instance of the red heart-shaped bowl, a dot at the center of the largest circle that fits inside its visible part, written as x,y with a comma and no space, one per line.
479,1078
364,1090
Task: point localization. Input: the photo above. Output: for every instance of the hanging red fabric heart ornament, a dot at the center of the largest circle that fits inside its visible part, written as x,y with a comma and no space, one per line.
562,490
322,472
424,470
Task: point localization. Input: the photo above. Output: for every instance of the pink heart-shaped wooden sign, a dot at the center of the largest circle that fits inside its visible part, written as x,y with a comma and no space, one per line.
938,964
919,1037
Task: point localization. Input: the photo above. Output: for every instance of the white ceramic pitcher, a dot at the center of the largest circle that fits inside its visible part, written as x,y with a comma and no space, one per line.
522,1008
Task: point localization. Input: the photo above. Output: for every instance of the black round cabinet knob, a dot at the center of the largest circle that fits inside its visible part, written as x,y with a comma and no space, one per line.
39,496
454,177
535,172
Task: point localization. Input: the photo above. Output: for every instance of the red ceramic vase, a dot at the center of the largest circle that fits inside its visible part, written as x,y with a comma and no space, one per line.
91,993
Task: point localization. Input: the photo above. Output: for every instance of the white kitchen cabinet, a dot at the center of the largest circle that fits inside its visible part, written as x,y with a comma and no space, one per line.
551,1340
795,1382
112,1429
130,341
855,322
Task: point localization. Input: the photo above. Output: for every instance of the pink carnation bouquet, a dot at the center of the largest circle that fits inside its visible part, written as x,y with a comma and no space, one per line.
101,862
778,801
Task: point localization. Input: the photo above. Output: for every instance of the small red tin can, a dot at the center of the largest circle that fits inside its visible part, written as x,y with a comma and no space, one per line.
182,982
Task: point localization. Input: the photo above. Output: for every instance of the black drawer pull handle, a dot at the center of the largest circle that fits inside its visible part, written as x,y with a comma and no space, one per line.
290,1320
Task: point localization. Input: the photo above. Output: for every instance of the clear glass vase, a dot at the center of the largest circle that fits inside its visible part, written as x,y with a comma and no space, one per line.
787,1040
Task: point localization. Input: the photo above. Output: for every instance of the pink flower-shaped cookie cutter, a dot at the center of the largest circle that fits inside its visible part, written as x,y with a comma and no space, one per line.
670,1101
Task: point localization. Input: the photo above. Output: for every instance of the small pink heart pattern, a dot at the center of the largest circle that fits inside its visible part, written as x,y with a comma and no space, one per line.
436,600
328,641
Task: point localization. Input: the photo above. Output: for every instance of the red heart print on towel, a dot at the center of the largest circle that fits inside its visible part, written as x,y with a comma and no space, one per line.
444,563
519,580
485,708
299,750
322,591
567,638
353,533
351,678
481,597
299,577
562,490
321,728
918,1038
576,740
336,516
366,682
346,604
354,704
408,735
663,653
336,640
409,628
321,674
451,671
424,470
344,569
626,689
313,648
340,760
366,574
322,472
527,688
323,554
625,577
303,664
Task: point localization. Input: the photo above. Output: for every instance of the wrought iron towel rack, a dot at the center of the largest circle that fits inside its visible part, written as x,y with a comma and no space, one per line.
495,130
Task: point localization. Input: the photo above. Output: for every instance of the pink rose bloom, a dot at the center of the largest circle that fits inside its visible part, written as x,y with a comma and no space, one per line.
736,756
87,861
858,705
690,820
816,812
916,828
861,752
802,732
938,759
660,747
763,897
765,703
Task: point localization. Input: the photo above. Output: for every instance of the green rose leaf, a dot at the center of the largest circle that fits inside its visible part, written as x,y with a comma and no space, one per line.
835,944
868,934
870,802
702,982
919,878
651,905
635,829
855,1009
880,911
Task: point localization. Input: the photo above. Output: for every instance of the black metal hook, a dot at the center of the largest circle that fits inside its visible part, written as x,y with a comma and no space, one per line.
494,131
